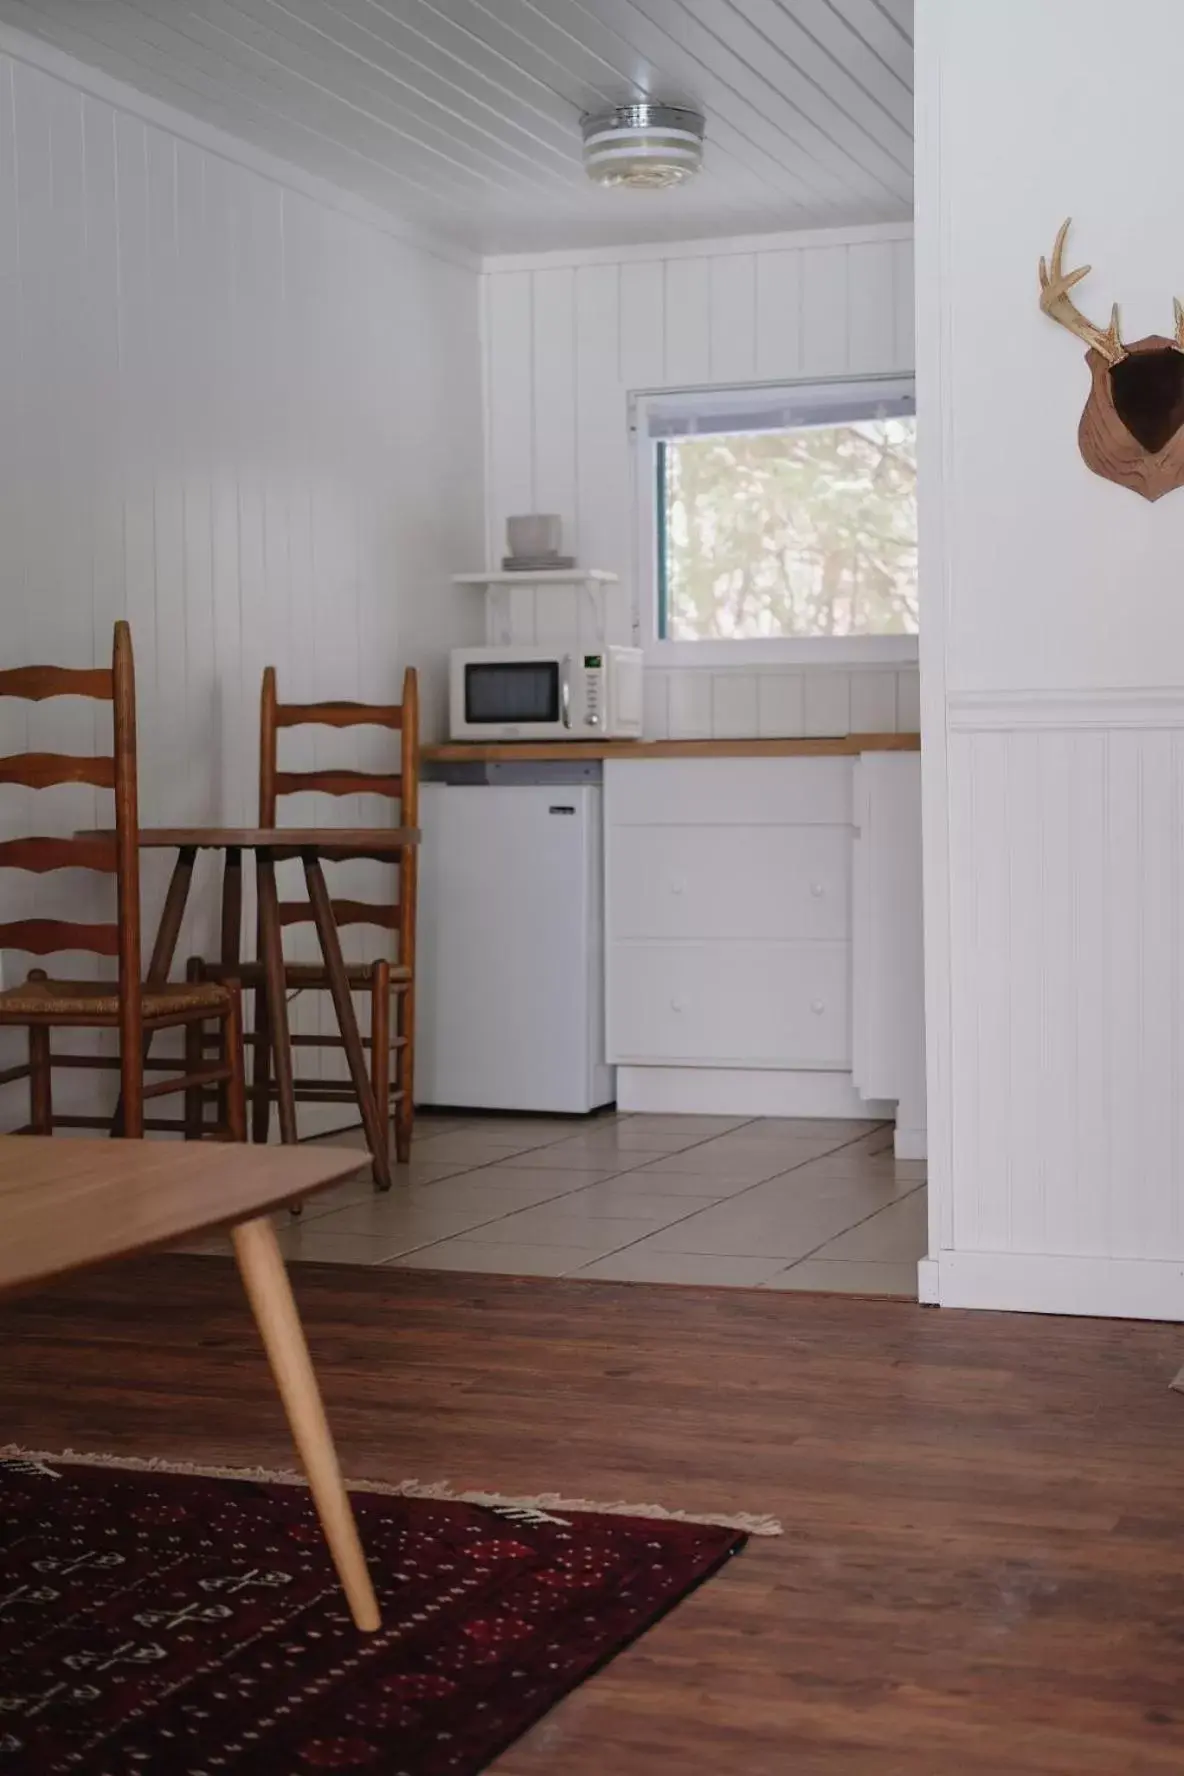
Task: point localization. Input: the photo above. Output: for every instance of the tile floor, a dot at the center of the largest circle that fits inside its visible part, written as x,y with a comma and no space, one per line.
768,1204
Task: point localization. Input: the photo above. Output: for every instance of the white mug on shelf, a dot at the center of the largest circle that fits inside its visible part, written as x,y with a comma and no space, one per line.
534,534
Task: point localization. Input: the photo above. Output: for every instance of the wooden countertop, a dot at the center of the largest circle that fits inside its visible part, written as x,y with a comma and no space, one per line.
536,752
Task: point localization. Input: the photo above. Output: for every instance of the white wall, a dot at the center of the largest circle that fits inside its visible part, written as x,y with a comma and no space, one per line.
570,336
1053,671
234,410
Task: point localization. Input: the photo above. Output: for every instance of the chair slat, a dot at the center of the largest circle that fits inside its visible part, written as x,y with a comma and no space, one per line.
345,912
200,1076
40,855
41,770
34,683
339,783
42,937
339,715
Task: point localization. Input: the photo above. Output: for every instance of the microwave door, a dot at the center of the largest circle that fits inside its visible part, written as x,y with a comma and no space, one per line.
501,693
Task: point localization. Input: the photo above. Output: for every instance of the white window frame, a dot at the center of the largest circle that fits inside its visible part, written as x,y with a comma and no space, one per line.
820,650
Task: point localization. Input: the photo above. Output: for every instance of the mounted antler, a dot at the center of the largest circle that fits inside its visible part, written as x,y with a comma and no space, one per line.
1055,285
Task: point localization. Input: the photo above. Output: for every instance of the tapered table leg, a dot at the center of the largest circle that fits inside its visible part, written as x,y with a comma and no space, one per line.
271,940
261,1265
377,1132
172,916
232,907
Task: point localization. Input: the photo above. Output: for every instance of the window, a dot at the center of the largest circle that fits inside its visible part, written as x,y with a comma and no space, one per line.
781,518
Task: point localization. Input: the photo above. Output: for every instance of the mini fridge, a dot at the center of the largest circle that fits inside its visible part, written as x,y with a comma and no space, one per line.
510,997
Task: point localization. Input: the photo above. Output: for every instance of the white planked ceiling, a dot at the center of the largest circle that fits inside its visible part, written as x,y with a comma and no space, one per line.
463,115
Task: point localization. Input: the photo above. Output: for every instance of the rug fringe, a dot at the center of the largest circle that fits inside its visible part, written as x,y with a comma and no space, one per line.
539,1506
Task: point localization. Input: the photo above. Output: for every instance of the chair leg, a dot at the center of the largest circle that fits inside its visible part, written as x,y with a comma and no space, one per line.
40,1081
266,1281
195,970
261,1069
405,1112
194,1061
232,1057
194,1096
380,1053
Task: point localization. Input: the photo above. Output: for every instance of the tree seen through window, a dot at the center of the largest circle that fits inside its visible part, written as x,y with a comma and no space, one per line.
808,532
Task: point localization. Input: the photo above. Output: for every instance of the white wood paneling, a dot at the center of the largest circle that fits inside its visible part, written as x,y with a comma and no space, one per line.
734,704
826,317
212,423
553,396
465,116
828,702
642,323
732,318
687,322
568,341
778,316
511,400
1067,856
689,705
1052,701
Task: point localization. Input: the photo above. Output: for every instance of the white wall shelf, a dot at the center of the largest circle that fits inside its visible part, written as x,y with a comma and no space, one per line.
548,607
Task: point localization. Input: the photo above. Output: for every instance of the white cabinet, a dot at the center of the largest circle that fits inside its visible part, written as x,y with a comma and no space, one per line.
763,934
729,792
731,1004
681,881
729,926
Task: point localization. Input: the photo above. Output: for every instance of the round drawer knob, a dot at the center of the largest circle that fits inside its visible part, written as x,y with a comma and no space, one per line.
678,886
817,1006
678,1003
817,890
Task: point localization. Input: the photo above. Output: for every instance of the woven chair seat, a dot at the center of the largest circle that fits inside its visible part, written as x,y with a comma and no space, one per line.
100,999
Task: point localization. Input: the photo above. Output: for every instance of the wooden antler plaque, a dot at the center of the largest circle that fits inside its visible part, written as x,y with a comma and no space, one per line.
1132,426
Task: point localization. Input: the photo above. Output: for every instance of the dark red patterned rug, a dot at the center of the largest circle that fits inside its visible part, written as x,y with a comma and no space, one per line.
155,1621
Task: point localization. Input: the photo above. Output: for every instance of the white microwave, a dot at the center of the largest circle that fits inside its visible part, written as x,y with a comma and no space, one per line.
534,693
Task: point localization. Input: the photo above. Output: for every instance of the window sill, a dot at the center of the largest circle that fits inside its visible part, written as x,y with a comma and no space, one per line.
847,652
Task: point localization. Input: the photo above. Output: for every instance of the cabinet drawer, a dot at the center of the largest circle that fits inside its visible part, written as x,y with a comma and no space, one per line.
730,1004
730,881
728,792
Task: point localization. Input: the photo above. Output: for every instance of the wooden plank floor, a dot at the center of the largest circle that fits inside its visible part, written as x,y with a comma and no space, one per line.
983,1570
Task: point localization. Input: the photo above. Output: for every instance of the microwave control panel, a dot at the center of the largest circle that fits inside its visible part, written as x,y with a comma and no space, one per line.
593,681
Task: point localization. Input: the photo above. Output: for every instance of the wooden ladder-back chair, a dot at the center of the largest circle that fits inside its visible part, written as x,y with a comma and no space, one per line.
387,981
126,1005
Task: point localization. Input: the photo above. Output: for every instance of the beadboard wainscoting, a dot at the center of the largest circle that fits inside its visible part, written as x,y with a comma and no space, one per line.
706,703
568,339
212,424
1066,981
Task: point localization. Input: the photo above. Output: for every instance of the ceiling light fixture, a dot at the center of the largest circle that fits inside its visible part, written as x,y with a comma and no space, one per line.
646,146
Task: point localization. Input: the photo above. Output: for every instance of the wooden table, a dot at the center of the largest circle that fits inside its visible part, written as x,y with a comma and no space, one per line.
66,1205
313,845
